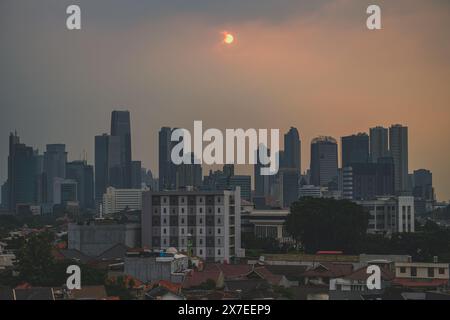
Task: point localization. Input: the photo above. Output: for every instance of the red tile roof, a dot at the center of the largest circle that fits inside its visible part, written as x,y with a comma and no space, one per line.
362,275
330,270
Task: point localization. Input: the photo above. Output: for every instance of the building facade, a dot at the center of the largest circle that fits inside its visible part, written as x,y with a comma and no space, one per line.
324,161
205,224
117,200
390,214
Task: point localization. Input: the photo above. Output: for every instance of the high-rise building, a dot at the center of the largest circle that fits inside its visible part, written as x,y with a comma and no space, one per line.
64,191
398,147
107,164
189,175
136,174
121,127
355,149
204,224
83,174
55,159
167,169
5,195
292,150
21,173
245,184
423,184
263,183
288,180
364,181
379,143
324,161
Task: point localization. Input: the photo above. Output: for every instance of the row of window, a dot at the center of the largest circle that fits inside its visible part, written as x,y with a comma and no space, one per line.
191,231
191,210
430,271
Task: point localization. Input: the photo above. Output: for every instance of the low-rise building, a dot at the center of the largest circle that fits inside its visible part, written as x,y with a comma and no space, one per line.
97,236
148,266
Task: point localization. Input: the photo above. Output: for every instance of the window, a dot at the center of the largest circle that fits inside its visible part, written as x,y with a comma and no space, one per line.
200,209
201,200
201,220
402,270
441,270
165,241
164,220
218,210
218,231
182,220
165,200
165,231
431,272
201,252
164,210
413,272
182,199
201,241
219,252
182,230
182,210
201,231
182,242
218,241
218,220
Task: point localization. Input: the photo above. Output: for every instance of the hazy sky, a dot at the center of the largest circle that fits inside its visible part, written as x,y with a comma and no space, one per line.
309,64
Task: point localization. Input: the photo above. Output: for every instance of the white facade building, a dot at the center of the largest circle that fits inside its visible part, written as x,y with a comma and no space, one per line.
390,214
116,200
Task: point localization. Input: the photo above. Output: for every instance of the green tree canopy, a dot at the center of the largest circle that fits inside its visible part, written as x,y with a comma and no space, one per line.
327,224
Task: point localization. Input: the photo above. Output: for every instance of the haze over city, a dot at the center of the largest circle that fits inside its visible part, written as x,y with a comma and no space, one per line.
312,65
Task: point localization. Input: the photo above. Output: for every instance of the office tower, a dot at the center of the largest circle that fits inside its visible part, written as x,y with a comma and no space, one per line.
55,159
364,181
5,195
398,147
21,173
167,169
245,184
379,144
423,184
204,224
108,171
292,150
189,175
121,127
355,149
263,183
288,180
64,191
324,161
83,175
136,174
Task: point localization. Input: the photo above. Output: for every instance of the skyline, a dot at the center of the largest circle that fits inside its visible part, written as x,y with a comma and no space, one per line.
71,81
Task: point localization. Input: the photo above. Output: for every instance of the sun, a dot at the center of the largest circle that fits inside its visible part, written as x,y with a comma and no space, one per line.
228,38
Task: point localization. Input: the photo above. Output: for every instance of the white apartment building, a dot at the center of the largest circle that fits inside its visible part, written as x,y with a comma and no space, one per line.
116,200
204,224
390,214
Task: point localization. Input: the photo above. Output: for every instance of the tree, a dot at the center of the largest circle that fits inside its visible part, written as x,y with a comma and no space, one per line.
35,261
327,224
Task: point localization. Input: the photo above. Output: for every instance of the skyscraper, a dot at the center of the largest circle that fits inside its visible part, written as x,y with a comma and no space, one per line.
324,161
21,187
121,127
108,171
355,149
292,150
423,184
189,175
83,175
167,169
136,174
379,144
55,159
398,147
